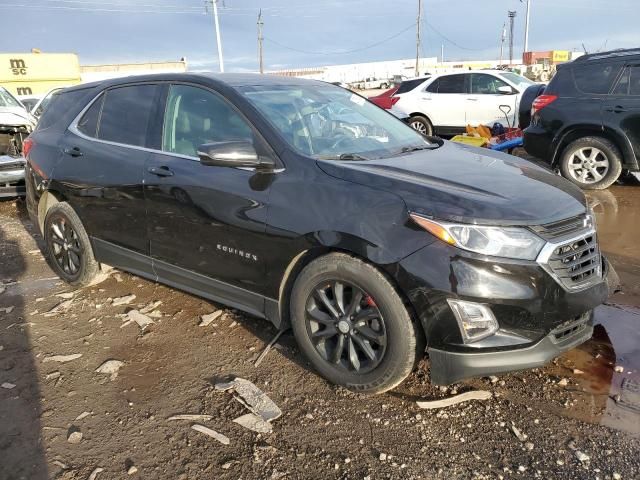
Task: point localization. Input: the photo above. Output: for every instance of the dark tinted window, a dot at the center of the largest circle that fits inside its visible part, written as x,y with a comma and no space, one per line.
561,83
597,78
88,124
126,114
448,84
60,104
409,85
629,83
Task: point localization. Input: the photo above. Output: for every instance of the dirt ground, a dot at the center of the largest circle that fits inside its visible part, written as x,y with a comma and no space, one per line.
571,419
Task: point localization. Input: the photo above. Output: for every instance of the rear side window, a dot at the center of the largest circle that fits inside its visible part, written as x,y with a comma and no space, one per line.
88,124
629,83
126,114
61,103
448,84
595,79
409,85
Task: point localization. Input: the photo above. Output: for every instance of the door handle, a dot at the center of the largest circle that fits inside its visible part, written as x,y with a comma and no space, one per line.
74,152
616,109
472,99
161,171
426,98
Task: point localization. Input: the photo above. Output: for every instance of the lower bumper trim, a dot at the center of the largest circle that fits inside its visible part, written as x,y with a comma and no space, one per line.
451,367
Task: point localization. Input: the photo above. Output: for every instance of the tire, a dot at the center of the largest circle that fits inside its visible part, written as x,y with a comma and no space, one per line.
592,163
384,86
421,124
381,324
67,247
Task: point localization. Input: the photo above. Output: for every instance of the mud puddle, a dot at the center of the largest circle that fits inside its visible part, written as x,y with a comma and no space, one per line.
606,370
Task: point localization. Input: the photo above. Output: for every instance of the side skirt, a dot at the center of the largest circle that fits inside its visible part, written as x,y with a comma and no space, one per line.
187,280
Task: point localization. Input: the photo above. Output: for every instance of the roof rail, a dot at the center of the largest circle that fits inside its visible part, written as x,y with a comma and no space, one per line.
610,54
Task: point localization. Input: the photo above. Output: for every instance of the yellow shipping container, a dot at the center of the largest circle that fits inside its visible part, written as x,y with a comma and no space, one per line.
37,73
559,56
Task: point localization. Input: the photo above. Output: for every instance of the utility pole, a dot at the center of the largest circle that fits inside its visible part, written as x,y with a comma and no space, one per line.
512,17
526,27
502,40
218,39
260,39
418,38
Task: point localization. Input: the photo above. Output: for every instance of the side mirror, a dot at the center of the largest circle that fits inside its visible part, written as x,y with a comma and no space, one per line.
237,153
506,90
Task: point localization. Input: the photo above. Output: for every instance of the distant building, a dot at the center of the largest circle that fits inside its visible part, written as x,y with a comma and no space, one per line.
91,73
27,74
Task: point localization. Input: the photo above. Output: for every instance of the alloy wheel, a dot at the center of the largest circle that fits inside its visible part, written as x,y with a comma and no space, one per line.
588,165
420,127
346,327
64,244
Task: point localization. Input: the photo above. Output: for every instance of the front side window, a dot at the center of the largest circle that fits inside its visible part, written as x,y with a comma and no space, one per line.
126,114
195,116
324,121
483,84
448,84
595,79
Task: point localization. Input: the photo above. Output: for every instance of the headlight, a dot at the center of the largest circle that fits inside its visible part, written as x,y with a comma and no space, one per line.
507,242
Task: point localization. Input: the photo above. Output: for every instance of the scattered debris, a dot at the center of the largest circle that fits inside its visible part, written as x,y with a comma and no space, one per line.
132,470
205,320
60,464
82,415
191,417
110,367
268,348
493,379
8,385
66,295
2,289
123,300
583,457
254,422
383,457
142,320
95,473
617,476
521,436
577,371
463,397
212,433
62,358
150,306
62,307
7,309
529,446
618,369
53,375
74,436
253,398
563,382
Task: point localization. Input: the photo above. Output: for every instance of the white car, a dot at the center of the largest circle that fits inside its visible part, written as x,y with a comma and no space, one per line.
445,104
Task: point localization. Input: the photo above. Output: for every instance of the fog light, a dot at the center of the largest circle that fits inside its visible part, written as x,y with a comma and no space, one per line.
476,321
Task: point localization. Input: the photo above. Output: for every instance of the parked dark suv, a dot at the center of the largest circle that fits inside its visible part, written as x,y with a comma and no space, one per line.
587,121
302,203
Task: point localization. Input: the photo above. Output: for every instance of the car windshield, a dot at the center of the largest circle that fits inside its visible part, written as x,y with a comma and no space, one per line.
328,122
7,100
518,80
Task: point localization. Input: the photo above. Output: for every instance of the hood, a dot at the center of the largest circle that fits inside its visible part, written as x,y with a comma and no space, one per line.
16,117
470,185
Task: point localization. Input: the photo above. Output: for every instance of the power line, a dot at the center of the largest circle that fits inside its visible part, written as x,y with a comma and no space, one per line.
444,37
343,52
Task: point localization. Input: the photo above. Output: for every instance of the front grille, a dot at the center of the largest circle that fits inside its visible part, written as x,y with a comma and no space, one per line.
569,226
577,263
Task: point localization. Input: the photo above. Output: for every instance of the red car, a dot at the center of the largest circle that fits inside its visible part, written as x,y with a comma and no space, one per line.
386,99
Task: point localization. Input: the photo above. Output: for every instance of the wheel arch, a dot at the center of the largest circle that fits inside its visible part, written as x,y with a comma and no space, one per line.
629,160
47,200
420,114
304,258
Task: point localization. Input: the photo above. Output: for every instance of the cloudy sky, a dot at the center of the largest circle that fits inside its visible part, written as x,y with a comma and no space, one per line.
306,32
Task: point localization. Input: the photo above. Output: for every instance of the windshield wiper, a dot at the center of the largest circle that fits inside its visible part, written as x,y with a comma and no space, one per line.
415,148
344,157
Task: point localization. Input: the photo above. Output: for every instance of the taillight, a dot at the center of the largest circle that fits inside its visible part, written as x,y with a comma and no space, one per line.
542,101
26,146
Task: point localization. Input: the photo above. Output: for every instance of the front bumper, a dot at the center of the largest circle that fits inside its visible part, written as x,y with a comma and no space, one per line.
12,183
528,303
538,143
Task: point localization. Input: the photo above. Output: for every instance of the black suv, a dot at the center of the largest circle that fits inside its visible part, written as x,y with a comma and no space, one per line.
301,202
587,121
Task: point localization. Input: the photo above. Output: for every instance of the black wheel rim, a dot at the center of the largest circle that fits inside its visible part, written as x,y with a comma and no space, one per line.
65,247
346,327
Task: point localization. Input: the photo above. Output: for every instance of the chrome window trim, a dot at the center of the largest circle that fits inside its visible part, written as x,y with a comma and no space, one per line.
547,251
73,128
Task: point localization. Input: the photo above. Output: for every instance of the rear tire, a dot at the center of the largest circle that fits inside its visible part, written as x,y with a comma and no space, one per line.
421,124
592,163
67,246
352,325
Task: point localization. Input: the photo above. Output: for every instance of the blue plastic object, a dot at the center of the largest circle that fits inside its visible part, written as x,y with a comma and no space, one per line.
508,145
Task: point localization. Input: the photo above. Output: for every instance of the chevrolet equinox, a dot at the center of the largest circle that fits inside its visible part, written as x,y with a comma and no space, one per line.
303,203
